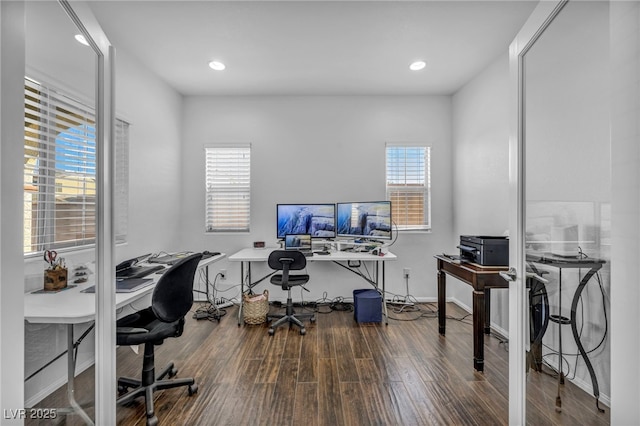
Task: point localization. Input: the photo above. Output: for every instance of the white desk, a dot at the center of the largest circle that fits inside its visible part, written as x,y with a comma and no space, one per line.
341,258
72,306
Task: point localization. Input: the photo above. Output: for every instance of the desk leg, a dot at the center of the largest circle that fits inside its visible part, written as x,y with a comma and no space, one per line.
384,299
442,306
74,408
576,336
478,324
487,311
249,284
241,293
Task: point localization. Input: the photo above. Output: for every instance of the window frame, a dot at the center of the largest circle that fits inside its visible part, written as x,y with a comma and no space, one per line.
424,188
43,114
235,216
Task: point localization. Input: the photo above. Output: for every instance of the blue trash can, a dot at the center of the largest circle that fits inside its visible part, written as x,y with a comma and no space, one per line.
367,305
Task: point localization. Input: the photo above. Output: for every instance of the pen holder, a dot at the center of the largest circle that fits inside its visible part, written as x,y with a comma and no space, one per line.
55,279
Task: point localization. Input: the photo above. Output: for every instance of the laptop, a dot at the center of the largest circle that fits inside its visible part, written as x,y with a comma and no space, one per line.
300,242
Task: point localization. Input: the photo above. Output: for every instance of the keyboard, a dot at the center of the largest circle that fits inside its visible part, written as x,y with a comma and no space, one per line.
138,271
125,286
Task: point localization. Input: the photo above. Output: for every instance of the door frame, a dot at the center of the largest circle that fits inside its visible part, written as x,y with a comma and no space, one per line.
537,23
105,331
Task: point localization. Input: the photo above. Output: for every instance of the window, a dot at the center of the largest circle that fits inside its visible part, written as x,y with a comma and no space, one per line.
409,185
60,171
228,188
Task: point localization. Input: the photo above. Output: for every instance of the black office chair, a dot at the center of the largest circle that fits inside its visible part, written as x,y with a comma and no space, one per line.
285,261
171,301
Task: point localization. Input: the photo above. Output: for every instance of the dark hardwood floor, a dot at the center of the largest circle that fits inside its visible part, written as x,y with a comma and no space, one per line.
340,373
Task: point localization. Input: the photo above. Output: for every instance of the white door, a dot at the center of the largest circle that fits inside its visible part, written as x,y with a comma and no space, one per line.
560,219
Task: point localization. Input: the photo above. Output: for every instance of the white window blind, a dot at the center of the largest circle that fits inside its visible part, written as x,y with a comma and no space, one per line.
409,185
121,181
228,188
60,171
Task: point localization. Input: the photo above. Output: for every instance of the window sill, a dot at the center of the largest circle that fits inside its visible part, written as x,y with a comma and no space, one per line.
210,233
414,231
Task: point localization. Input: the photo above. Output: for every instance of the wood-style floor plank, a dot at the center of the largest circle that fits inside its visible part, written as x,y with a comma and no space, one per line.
309,357
344,353
305,404
329,396
354,405
339,373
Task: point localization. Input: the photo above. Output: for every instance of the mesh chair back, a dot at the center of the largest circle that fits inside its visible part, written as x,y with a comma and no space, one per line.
275,261
173,296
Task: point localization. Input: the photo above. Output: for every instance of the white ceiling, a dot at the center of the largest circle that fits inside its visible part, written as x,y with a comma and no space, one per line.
313,47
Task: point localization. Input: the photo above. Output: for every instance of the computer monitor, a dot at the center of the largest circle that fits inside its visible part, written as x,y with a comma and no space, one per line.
318,220
369,219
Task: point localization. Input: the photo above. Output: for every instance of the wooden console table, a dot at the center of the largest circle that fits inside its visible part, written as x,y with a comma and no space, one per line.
482,279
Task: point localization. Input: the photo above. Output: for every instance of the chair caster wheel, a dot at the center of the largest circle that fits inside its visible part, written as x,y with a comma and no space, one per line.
303,331
312,320
173,372
152,421
193,389
122,390
271,331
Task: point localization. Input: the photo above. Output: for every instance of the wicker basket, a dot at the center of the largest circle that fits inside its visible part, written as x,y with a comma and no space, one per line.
255,308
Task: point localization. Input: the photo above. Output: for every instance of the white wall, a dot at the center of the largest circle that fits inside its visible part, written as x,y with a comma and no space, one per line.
319,149
481,170
155,187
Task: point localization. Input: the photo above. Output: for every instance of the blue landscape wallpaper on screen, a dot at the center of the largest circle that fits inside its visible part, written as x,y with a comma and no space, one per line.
315,219
369,219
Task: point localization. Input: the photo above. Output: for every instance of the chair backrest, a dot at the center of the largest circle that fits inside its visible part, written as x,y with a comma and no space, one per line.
292,260
173,296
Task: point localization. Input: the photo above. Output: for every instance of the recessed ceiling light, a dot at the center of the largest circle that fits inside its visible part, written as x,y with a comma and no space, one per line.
417,65
80,38
217,65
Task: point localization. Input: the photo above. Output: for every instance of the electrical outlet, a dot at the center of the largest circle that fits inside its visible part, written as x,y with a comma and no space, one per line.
406,272
223,274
